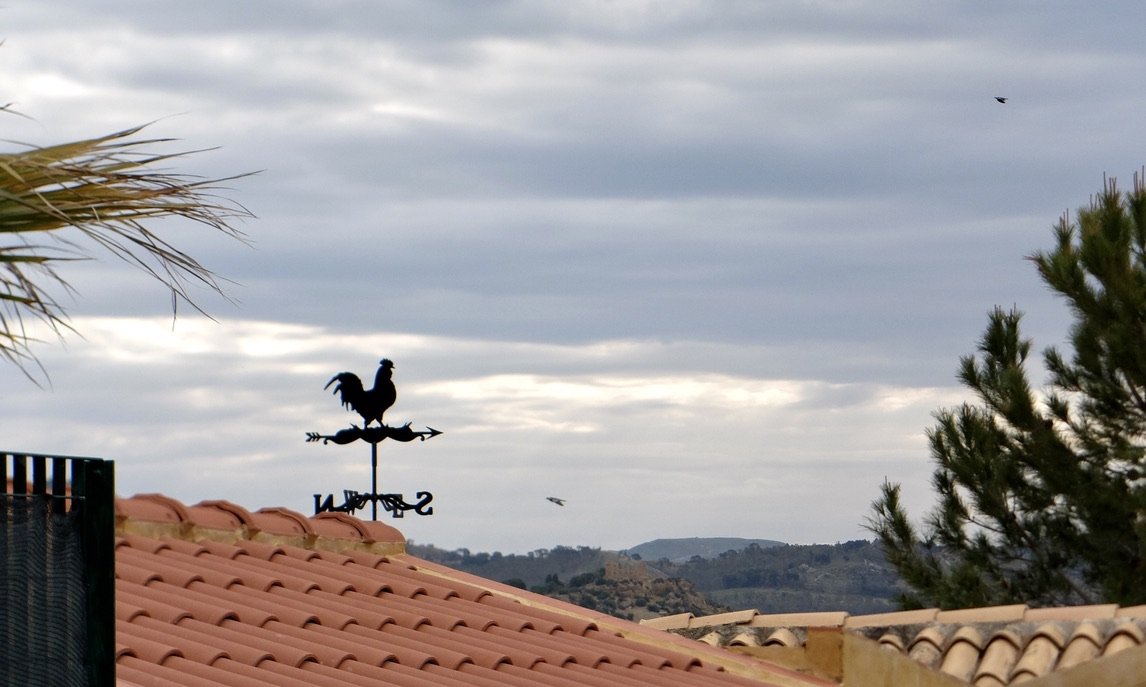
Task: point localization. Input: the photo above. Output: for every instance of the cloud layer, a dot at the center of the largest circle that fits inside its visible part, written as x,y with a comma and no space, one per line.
701,268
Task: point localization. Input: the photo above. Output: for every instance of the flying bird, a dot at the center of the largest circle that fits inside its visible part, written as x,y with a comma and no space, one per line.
369,403
1000,99
554,499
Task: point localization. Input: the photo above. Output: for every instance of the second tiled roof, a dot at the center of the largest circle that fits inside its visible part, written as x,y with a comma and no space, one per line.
988,647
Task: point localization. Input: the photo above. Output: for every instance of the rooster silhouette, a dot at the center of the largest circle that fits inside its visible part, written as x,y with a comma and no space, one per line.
372,403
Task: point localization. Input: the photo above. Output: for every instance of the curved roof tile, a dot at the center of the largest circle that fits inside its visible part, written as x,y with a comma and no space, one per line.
283,522
1125,636
999,658
220,515
1040,654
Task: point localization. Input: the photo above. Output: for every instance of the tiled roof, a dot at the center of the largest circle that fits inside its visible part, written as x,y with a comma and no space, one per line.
213,594
986,647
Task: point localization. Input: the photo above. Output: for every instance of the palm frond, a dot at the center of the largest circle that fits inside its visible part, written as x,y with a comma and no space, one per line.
107,192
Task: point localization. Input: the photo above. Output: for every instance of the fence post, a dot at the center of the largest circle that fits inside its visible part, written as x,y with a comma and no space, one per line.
99,563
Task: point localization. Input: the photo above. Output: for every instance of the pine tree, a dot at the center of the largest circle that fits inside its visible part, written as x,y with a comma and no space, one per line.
1042,497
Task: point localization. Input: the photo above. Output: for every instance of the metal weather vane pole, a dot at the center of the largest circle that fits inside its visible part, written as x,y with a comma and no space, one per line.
371,404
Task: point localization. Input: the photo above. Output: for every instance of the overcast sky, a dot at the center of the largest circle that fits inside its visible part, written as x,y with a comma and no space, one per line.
699,268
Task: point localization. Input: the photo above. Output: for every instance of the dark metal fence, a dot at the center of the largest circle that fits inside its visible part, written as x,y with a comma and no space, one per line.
57,571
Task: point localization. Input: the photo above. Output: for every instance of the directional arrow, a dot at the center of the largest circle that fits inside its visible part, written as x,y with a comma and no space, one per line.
373,435
430,433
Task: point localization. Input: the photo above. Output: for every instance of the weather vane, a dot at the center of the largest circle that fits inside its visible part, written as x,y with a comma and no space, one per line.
371,404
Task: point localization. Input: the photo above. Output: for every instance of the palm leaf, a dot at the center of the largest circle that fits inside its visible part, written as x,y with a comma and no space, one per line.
107,192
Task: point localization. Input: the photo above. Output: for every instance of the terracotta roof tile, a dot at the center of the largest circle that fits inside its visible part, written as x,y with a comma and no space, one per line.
782,637
238,571
219,515
923,615
202,634
1125,636
1131,612
999,658
892,642
540,622
341,526
962,656
744,639
127,599
818,619
1096,612
255,571
669,622
989,614
1040,654
988,680
283,522
259,550
927,647
551,649
1085,644
213,594
734,617
153,508
142,543
142,645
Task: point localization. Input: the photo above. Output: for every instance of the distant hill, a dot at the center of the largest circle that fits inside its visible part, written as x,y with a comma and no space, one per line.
606,581
853,576
626,588
523,570
712,574
682,550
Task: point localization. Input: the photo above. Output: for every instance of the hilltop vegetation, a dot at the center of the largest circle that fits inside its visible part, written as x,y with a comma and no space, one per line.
605,581
521,570
680,550
853,577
